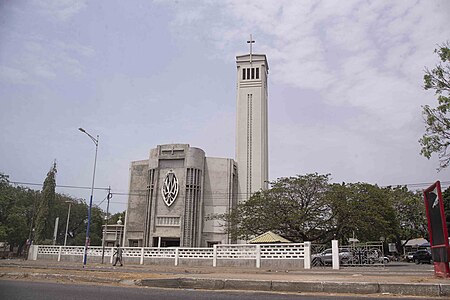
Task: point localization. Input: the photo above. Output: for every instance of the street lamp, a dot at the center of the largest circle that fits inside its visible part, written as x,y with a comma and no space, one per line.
86,244
67,223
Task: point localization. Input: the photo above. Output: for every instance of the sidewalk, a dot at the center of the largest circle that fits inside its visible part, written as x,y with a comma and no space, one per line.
395,278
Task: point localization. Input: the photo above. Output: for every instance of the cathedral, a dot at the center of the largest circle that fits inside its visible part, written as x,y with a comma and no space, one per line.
173,190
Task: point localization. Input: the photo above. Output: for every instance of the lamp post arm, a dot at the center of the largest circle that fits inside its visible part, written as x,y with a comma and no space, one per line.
95,140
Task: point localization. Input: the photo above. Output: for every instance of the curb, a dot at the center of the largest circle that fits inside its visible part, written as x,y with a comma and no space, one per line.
413,289
406,289
22,275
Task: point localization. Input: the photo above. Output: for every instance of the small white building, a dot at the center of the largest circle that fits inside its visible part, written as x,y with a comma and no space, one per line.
113,234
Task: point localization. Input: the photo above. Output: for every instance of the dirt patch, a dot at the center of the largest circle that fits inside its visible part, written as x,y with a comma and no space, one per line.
75,275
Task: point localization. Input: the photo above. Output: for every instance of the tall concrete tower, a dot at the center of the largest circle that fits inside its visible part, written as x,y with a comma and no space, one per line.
251,123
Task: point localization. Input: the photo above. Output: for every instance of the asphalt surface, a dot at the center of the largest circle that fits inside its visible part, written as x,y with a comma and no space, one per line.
22,290
394,279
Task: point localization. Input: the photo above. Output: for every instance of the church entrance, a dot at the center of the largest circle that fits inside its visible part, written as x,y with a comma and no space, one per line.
166,242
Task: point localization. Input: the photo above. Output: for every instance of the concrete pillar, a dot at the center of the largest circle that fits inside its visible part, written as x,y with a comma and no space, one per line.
33,252
307,256
84,254
176,257
142,256
59,253
258,256
335,254
215,256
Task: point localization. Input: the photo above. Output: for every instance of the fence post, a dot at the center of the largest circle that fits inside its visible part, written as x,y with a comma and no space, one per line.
176,257
36,252
30,252
33,252
214,255
258,256
335,254
307,256
142,256
59,253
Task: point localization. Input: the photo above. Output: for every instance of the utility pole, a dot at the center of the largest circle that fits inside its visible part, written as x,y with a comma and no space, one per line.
55,232
108,197
67,223
30,236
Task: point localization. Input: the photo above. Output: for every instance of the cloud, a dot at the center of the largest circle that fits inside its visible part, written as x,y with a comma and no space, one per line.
366,57
40,59
13,75
39,52
61,10
76,48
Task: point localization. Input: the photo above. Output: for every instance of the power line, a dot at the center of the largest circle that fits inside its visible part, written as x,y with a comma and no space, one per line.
426,184
60,186
216,195
102,200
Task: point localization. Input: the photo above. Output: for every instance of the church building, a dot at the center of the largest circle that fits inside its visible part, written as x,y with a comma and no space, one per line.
173,190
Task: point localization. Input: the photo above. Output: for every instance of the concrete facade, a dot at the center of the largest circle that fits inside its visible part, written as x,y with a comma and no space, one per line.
199,186
251,124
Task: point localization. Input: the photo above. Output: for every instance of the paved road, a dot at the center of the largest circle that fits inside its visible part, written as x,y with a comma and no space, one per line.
24,290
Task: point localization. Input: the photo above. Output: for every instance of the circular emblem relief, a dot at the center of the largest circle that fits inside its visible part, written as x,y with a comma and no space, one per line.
170,188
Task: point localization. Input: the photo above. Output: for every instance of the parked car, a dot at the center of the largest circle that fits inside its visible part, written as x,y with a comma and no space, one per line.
326,258
421,256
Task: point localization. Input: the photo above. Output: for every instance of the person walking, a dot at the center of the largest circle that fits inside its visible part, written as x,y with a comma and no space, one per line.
118,254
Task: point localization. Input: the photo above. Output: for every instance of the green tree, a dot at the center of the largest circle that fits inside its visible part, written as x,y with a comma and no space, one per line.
18,206
360,209
410,219
78,223
437,135
96,235
45,215
5,203
308,208
16,213
77,215
295,207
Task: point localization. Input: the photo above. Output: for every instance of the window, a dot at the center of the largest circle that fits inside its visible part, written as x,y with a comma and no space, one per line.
133,243
250,73
167,221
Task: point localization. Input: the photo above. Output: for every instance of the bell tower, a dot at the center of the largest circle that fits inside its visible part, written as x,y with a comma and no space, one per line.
251,123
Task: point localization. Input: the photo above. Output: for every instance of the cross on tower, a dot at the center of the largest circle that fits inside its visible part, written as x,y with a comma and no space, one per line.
251,41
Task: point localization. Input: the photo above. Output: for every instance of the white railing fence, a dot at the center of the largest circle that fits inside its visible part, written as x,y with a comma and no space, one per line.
233,252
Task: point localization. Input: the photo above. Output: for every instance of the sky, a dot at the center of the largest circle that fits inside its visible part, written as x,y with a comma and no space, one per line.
345,86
